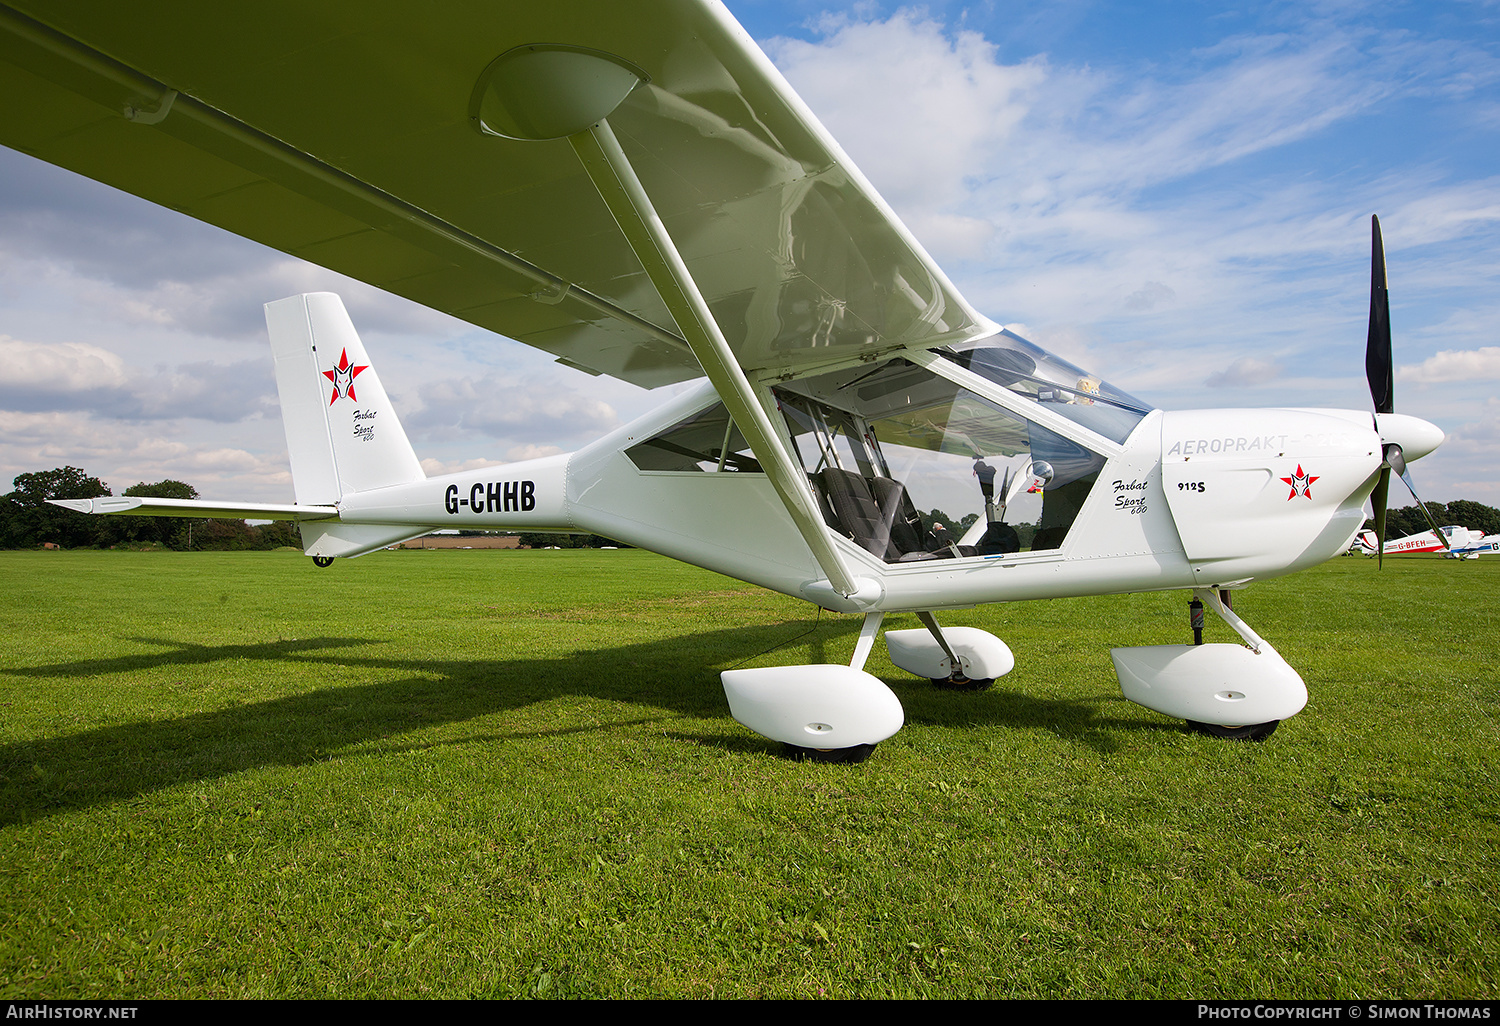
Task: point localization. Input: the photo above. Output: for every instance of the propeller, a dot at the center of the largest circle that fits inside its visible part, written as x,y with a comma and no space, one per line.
1380,374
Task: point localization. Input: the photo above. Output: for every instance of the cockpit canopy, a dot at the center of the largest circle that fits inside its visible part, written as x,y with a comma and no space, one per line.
1028,370
912,465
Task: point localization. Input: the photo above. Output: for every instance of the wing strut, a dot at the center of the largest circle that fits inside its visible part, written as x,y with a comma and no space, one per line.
615,178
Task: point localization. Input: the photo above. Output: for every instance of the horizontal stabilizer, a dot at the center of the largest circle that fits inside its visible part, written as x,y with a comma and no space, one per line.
145,506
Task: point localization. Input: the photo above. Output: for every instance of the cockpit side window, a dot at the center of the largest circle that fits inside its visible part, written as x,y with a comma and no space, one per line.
913,467
708,441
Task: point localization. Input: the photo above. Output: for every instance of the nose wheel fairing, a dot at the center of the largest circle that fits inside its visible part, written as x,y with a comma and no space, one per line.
1231,691
1216,683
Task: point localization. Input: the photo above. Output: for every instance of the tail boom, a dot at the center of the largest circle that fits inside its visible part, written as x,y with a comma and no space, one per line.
530,495
527,496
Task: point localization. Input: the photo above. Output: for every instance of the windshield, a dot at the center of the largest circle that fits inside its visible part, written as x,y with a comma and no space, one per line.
911,466
1009,360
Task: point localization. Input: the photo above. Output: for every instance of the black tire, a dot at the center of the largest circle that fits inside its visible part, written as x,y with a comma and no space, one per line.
958,682
841,756
1247,732
322,562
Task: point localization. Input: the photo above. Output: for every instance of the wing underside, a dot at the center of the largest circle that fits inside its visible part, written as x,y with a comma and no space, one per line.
341,133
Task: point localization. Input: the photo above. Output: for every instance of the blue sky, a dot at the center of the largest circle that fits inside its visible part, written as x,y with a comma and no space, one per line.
1175,195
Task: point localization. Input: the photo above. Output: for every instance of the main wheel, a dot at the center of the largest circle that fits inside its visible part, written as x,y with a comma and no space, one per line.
323,562
958,682
1247,732
845,756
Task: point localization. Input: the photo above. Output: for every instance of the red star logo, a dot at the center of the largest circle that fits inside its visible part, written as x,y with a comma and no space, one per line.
343,377
1301,484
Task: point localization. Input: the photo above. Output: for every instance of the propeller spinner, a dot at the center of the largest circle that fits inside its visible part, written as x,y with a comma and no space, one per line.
1402,438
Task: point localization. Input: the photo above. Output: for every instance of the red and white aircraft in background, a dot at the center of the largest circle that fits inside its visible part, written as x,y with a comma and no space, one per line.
1454,542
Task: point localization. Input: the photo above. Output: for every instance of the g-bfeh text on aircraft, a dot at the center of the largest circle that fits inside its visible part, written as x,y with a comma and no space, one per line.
1454,542
635,189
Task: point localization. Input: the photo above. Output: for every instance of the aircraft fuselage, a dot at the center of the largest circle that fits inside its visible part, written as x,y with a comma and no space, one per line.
1190,499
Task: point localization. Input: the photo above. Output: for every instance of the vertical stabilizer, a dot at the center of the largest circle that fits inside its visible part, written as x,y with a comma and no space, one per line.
341,433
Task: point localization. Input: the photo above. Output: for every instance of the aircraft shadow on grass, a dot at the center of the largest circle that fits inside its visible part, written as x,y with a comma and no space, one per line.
45,777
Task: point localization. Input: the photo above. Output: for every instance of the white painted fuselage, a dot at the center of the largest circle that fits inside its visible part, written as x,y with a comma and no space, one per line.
1190,499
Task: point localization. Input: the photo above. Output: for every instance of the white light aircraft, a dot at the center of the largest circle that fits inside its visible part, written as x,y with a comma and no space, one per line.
1488,545
635,189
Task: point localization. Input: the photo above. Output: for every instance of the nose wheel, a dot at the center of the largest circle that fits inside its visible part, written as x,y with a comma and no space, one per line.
833,756
1248,732
1250,686
1243,732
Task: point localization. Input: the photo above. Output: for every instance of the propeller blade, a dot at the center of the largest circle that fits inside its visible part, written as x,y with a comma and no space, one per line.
1396,460
1378,344
1377,499
1378,372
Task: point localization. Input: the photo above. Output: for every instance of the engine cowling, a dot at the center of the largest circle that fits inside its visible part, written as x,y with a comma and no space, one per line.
1256,493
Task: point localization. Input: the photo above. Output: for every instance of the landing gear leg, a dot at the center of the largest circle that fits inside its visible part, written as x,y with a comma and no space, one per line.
867,632
1222,603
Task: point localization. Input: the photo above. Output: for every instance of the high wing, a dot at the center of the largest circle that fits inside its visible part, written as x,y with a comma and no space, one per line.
347,134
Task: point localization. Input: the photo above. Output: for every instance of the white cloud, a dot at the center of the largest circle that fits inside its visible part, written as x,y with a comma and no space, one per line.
1455,365
75,376
1444,212
1244,372
1481,436
58,367
1040,186
1151,294
531,452
124,453
498,407
919,111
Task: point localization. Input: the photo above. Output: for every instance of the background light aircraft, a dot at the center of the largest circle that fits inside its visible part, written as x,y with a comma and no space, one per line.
641,194
1466,544
1487,545
1454,542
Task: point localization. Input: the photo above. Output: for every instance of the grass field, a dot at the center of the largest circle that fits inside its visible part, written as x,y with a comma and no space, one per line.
498,774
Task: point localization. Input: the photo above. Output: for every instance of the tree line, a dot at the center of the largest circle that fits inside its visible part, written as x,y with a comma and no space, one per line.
1462,512
28,520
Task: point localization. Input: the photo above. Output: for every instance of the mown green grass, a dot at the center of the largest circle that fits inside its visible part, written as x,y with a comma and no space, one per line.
494,774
